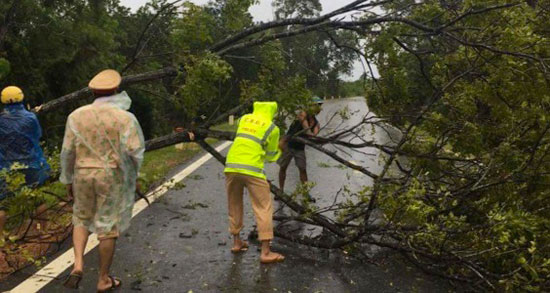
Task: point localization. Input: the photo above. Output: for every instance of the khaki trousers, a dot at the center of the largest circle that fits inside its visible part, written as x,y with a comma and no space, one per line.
261,203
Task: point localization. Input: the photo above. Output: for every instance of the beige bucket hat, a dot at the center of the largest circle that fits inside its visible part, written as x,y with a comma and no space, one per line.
105,81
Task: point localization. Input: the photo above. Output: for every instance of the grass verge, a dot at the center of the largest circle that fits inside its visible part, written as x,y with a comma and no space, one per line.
55,228
158,163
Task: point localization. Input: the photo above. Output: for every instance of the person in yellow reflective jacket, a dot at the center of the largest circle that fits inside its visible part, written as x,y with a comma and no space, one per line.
256,141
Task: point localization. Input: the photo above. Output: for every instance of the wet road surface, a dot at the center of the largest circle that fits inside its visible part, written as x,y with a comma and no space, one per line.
181,244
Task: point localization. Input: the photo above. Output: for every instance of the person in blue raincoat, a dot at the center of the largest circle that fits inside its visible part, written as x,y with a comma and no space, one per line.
20,149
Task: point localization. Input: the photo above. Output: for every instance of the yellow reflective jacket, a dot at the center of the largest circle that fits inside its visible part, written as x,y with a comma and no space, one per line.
256,141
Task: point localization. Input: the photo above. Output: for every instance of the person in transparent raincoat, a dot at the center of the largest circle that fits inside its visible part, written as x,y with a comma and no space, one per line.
20,150
102,152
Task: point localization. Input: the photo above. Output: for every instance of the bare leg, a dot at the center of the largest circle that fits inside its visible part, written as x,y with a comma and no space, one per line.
267,255
303,175
106,253
80,238
40,216
3,217
304,179
282,178
238,244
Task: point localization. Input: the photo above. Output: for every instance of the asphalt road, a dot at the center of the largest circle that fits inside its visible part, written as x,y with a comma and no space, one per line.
181,242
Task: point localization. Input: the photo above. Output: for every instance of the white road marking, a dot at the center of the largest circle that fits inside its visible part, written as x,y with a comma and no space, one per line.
44,276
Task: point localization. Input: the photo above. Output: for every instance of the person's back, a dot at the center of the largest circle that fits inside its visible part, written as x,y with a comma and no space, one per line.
101,134
102,152
256,141
20,134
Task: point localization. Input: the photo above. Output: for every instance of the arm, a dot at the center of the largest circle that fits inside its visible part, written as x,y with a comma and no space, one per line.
303,118
135,144
316,127
180,129
283,143
272,149
307,128
68,155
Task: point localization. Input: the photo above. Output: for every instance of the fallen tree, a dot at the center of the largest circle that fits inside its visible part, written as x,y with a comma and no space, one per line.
463,191
86,93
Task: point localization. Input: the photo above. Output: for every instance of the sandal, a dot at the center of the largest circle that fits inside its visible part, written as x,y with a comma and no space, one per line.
114,285
279,258
243,248
73,280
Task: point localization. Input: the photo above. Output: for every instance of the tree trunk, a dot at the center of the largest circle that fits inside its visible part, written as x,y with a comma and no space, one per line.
85,92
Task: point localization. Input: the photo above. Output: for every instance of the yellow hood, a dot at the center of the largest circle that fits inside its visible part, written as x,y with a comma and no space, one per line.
265,109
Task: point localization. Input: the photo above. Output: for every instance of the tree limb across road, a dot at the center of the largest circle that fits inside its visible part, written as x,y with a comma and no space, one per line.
254,36
463,191
85,92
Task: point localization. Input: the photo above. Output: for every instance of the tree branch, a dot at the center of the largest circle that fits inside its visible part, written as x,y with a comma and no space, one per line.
85,92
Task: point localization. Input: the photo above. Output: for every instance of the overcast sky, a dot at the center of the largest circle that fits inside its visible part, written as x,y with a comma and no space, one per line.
264,12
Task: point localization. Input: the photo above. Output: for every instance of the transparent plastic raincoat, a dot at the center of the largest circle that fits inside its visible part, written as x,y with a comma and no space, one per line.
20,134
102,152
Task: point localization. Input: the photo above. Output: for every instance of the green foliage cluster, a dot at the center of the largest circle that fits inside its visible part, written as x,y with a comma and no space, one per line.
321,57
202,81
23,200
475,115
357,88
478,155
4,68
52,48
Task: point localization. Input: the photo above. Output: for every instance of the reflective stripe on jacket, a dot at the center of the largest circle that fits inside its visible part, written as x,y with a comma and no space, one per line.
256,141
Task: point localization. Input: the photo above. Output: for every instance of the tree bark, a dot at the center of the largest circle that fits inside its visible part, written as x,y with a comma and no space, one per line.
85,92
175,138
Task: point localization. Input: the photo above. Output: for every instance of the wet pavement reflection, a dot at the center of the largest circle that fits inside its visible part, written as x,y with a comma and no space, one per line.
181,243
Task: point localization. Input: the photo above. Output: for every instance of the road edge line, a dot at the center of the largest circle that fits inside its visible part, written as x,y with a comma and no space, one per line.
58,265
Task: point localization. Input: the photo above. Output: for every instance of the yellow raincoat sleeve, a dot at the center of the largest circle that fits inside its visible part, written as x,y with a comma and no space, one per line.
272,152
68,155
